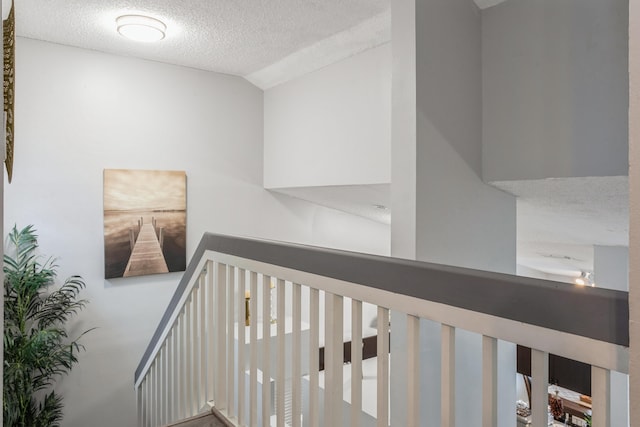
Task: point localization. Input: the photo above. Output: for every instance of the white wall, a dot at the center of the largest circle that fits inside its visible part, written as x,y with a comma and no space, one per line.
332,126
555,81
611,267
79,112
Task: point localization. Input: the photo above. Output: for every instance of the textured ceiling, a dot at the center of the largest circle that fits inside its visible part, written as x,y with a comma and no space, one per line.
560,219
266,41
235,37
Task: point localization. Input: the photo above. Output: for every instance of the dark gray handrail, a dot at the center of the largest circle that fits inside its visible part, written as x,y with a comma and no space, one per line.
597,313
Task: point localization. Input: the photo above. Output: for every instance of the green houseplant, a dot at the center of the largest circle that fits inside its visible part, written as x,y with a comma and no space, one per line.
37,347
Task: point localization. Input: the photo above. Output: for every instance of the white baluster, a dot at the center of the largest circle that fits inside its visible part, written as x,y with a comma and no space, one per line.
139,401
333,359
489,381
211,332
539,388
154,394
314,354
202,322
145,400
195,352
601,397
356,362
221,330
253,334
413,371
183,366
281,359
448,376
175,405
162,385
383,368
266,350
230,343
188,392
170,377
241,345
296,376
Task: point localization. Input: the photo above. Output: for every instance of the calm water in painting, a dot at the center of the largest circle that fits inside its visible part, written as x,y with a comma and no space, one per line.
117,246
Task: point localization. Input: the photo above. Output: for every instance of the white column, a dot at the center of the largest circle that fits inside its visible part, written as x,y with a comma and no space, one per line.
442,210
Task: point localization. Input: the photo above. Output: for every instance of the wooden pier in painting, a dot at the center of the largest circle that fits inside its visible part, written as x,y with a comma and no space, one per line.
146,255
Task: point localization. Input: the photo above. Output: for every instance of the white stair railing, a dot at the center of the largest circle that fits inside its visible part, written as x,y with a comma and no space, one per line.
204,353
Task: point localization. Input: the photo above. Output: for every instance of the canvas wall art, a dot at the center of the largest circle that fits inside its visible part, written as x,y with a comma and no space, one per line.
145,219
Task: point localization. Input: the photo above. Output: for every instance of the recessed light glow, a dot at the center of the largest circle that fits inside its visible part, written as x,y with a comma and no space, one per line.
580,281
141,28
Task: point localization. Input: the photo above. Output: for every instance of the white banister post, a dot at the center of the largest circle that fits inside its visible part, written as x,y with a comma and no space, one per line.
356,362
383,368
202,379
296,375
231,283
242,313
188,361
253,338
175,400
601,397
170,376
164,401
489,381
211,353
195,352
539,388
139,404
413,371
183,366
333,358
221,341
266,350
314,354
145,400
281,358
448,376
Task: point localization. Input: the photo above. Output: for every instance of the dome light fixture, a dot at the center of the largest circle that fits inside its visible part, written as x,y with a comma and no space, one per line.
141,28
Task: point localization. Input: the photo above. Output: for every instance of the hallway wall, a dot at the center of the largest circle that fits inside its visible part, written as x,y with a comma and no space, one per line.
79,112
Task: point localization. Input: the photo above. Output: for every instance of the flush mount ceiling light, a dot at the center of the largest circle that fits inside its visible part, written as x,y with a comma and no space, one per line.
141,28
